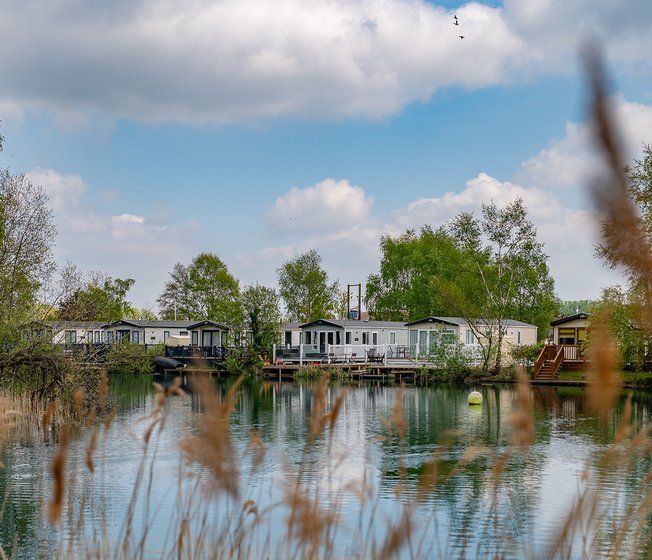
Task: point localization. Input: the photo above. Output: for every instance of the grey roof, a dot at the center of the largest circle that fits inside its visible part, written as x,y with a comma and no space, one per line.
355,323
88,325
162,324
291,326
460,321
568,319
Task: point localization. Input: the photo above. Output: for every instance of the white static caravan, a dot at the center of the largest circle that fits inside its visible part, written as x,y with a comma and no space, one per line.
290,334
201,333
208,334
74,332
570,330
424,333
320,334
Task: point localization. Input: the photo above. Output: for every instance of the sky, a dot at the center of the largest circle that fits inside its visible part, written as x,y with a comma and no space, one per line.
258,130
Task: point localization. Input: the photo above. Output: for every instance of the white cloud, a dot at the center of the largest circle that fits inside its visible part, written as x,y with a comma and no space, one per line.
329,205
161,60
167,60
63,190
572,161
351,252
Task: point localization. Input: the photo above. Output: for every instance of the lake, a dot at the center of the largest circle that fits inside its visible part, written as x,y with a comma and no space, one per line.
461,517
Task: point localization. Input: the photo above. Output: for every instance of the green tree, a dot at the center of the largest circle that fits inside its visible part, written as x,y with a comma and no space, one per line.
174,302
26,239
574,306
413,268
262,316
203,290
305,288
512,270
627,308
102,298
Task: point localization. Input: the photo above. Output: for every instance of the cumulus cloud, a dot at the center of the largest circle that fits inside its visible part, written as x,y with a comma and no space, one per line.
160,60
167,60
350,253
329,205
572,161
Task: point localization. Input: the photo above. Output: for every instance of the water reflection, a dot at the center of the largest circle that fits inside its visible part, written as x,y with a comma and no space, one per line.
458,518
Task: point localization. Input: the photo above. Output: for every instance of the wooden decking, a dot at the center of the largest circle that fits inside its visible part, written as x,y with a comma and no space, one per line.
395,372
556,357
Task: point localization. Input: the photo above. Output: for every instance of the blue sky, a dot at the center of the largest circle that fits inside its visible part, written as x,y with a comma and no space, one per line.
160,136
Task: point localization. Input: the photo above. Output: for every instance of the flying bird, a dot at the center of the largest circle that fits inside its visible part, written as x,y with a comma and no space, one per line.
455,22
461,36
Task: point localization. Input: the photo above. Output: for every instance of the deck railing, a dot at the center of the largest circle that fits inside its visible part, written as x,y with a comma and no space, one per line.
214,352
369,353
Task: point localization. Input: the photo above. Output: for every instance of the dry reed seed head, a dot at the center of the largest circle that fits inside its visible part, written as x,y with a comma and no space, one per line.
397,536
102,390
336,408
90,450
175,388
250,508
257,449
90,418
625,239
49,414
110,417
317,414
80,398
212,447
624,426
397,422
522,419
58,475
603,376
160,396
307,522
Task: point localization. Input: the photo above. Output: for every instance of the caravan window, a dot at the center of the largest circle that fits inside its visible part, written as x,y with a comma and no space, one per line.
195,338
365,337
347,338
306,336
70,337
392,338
135,337
374,338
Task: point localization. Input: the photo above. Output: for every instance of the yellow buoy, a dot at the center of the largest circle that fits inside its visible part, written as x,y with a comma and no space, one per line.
475,397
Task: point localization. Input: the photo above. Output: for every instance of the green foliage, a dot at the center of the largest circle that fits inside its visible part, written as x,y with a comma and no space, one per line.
512,269
447,358
26,240
412,269
625,313
242,360
262,316
572,307
305,288
101,299
526,354
126,357
203,290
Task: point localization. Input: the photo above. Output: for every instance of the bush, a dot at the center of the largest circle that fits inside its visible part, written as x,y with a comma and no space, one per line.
132,358
242,360
527,354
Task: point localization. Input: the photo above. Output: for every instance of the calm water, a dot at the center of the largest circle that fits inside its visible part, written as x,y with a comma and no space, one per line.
454,521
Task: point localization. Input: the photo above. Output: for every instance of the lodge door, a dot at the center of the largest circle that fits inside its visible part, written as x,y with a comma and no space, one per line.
322,342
